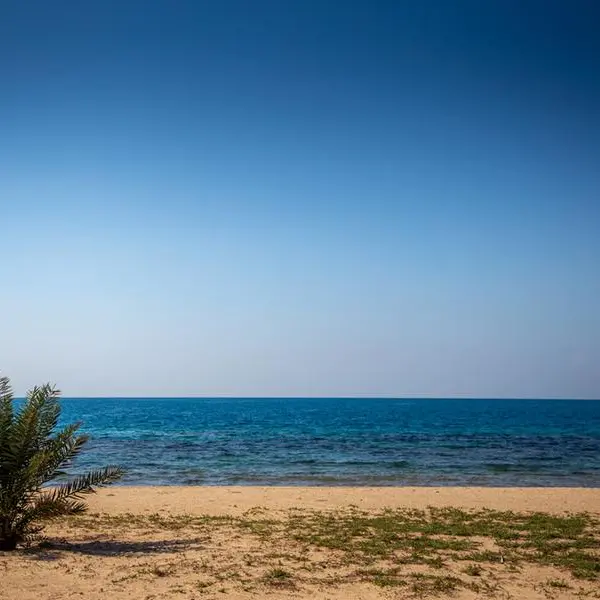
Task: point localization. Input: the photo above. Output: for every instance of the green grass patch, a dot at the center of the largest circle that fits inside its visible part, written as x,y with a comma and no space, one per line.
431,537
278,577
423,584
473,570
559,584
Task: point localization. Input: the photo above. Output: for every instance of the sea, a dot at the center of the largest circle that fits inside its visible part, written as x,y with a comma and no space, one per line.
342,441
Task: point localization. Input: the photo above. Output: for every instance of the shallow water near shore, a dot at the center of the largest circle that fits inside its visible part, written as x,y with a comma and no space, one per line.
345,442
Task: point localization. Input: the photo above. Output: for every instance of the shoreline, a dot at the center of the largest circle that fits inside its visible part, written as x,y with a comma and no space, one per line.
235,500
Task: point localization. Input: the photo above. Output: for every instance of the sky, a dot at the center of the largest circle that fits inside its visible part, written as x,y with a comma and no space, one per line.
301,198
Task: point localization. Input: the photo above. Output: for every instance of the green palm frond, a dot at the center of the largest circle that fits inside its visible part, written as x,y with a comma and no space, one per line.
84,484
6,395
6,411
32,425
57,454
46,507
33,454
46,398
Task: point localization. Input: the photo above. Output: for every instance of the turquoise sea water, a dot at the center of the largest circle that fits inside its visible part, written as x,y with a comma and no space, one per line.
333,441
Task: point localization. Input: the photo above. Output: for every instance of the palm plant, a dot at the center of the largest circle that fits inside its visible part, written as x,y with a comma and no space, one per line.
33,453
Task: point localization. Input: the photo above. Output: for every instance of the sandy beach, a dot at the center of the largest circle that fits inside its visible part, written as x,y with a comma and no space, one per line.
237,500
363,543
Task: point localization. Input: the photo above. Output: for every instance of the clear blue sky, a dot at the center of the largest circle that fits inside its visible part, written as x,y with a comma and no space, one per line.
301,197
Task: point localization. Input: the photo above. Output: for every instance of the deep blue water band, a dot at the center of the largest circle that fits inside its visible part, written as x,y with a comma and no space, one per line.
329,441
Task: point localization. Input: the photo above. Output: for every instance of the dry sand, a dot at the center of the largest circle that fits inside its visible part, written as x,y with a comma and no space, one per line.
133,546
237,500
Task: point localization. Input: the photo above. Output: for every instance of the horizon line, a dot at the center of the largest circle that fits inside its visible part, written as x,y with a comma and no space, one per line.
298,397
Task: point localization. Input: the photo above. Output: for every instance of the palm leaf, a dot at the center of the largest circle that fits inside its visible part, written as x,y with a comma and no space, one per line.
6,414
57,454
84,484
32,454
46,508
32,425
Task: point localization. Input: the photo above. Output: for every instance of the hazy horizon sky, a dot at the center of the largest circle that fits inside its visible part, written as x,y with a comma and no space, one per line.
301,198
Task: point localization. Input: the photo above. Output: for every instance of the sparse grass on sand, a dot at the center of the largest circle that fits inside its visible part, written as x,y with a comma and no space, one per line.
419,553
